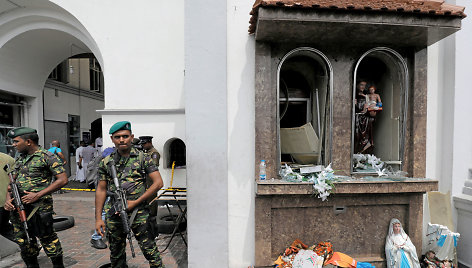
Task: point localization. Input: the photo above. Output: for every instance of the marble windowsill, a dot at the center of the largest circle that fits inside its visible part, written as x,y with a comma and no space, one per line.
407,185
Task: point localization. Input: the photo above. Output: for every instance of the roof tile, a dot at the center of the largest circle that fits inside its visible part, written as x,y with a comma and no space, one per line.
429,7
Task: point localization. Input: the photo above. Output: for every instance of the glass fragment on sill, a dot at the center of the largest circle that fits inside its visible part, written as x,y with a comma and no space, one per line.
369,163
323,179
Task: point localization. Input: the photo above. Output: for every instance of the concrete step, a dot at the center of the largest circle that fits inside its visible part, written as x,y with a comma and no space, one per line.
7,247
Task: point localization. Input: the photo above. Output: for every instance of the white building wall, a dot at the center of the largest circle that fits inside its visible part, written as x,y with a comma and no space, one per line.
462,100
142,48
462,137
241,135
57,108
206,109
440,118
449,144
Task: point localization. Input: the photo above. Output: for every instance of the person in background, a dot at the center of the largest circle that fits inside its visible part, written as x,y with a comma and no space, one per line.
87,154
5,227
146,143
56,149
98,145
80,171
96,240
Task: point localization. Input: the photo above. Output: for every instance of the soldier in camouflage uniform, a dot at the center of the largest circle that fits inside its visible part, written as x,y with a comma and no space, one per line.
131,171
33,170
146,143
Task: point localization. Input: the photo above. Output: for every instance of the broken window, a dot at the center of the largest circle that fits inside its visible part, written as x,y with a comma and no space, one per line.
379,110
304,111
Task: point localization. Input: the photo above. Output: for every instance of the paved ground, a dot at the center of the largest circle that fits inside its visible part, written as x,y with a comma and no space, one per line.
76,241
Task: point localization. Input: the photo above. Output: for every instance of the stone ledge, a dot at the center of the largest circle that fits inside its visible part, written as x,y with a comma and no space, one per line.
463,202
279,187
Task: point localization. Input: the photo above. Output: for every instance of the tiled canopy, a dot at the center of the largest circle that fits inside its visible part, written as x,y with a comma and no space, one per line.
428,7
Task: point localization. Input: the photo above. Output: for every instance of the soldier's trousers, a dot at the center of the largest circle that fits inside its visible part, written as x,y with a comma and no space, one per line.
141,230
49,240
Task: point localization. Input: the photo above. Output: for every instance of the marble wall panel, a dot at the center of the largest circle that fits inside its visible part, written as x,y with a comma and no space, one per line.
266,106
356,224
418,130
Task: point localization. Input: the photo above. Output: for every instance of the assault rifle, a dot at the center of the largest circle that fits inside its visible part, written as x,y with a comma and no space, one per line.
120,204
17,201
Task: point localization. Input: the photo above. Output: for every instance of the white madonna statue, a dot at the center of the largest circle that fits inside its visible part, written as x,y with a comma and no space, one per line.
400,251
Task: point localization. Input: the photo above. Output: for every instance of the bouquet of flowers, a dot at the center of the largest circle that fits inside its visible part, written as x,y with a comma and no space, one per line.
323,184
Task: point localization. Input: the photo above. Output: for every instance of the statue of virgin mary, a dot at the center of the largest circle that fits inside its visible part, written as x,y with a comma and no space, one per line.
399,250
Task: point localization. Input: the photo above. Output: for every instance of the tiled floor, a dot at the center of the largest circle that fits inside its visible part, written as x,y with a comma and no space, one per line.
76,240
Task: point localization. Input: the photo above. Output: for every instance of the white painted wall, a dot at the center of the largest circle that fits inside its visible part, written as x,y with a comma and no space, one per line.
206,109
142,44
57,108
440,117
449,143
462,136
241,135
462,107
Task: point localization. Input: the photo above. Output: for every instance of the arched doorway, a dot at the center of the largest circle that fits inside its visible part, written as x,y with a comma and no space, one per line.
34,39
304,88
378,127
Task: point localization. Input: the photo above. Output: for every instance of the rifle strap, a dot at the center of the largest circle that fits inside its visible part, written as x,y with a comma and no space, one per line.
32,213
133,216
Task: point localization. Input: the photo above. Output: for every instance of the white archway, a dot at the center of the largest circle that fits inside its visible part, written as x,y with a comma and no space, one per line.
34,38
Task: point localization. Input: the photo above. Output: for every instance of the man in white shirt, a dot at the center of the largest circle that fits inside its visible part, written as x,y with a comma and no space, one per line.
80,171
87,154
98,145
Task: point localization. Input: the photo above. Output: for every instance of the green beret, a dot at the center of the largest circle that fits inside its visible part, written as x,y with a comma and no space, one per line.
20,131
122,125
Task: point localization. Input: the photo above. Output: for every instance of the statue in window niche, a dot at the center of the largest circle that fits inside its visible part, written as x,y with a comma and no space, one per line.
366,108
363,122
399,250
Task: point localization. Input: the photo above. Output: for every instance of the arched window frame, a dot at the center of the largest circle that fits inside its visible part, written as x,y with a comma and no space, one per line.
402,65
329,68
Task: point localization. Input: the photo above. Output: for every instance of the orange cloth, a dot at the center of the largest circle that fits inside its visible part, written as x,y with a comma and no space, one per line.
325,250
299,244
279,261
342,260
295,247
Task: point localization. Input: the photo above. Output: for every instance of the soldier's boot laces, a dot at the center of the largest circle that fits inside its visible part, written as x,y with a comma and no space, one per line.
57,262
31,262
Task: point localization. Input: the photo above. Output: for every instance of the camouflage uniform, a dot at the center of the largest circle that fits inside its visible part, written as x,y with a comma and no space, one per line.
154,154
129,172
33,174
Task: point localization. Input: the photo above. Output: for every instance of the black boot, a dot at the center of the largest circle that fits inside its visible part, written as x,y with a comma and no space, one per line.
31,262
57,262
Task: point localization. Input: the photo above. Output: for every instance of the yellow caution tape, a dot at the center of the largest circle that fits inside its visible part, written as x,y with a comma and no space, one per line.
175,189
82,190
